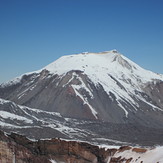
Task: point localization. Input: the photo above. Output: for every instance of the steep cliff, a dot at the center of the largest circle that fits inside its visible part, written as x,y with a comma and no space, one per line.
15,148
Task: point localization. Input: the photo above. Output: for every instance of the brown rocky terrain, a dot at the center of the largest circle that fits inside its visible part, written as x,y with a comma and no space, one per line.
15,148
21,150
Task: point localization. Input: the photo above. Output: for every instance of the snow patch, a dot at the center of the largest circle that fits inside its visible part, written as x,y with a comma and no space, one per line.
53,161
150,156
11,116
85,100
121,106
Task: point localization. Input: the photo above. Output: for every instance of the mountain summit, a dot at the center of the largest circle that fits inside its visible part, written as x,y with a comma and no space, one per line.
103,86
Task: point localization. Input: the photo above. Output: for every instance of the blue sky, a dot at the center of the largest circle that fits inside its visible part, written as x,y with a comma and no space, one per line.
34,33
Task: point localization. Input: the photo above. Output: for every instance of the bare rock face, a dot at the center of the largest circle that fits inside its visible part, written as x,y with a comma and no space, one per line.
16,148
155,91
139,150
13,152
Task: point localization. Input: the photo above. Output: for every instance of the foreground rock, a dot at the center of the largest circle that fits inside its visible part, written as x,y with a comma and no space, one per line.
19,149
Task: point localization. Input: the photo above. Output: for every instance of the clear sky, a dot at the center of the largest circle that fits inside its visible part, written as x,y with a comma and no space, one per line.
34,33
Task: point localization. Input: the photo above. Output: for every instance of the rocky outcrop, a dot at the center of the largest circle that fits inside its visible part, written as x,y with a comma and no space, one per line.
15,148
12,152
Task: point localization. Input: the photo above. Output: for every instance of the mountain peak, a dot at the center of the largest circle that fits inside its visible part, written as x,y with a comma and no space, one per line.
95,64
107,62
85,61
114,51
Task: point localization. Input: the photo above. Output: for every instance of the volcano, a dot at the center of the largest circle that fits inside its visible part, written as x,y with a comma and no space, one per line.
105,86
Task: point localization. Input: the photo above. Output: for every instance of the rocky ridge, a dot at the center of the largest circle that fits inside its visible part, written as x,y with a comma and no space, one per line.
16,148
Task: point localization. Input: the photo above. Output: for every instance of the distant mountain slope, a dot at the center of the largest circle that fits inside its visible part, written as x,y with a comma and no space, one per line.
104,86
37,124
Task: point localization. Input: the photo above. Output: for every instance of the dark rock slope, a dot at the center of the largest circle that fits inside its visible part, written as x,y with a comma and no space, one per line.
38,124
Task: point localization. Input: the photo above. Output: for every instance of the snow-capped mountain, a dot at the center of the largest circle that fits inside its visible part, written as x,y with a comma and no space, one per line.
104,86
